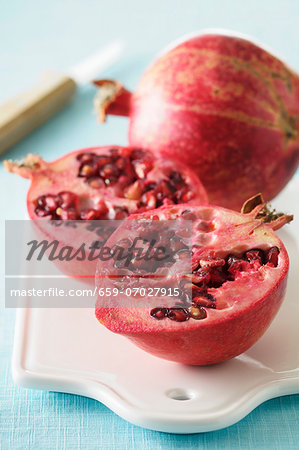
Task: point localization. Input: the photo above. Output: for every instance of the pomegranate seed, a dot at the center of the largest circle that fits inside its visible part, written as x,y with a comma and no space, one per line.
198,313
272,256
217,278
177,179
121,163
134,191
149,186
41,212
201,276
149,200
162,190
139,154
120,213
41,201
89,214
204,301
124,181
95,182
185,195
159,313
50,202
86,157
67,199
167,202
236,265
252,255
101,208
197,289
178,196
178,314
109,171
110,181
142,168
102,160
212,262
114,152
232,259
66,214
87,170
254,264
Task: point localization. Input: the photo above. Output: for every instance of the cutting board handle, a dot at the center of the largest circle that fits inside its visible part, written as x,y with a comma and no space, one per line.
22,114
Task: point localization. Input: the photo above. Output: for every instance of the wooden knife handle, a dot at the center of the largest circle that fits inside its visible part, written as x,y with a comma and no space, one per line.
22,114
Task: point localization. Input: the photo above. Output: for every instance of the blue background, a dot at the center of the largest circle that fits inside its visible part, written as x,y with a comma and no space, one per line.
40,35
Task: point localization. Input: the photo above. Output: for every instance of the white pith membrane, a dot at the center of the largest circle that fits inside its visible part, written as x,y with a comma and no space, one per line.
62,175
228,233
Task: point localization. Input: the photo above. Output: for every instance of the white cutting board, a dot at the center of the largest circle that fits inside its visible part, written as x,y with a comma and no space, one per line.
67,350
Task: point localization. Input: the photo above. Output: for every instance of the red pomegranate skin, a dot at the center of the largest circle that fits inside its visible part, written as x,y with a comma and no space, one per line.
244,309
225,107
214,344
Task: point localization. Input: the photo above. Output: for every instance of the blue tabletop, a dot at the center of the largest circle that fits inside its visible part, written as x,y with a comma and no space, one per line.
37,35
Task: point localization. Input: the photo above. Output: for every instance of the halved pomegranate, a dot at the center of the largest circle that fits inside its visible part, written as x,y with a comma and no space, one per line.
237,284
105,183
97,184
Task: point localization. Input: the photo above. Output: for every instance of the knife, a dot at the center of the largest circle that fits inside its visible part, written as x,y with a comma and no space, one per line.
25,112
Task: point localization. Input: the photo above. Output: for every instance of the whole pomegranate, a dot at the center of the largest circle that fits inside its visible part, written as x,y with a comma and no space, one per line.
237,284
96,184
222,105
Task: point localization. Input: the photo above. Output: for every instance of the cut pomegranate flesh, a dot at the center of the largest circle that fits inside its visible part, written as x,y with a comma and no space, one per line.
105,183
237,284
229,270
97,184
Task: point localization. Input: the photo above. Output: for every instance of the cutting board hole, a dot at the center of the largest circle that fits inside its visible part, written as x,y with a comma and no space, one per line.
180,394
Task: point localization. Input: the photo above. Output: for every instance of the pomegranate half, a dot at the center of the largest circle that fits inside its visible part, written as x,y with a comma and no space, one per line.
97,184
223,106
105,183
238,281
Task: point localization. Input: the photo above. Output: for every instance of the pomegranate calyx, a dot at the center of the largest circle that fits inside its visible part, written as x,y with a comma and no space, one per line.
27,166
275,219
111,98
250,204
259,209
